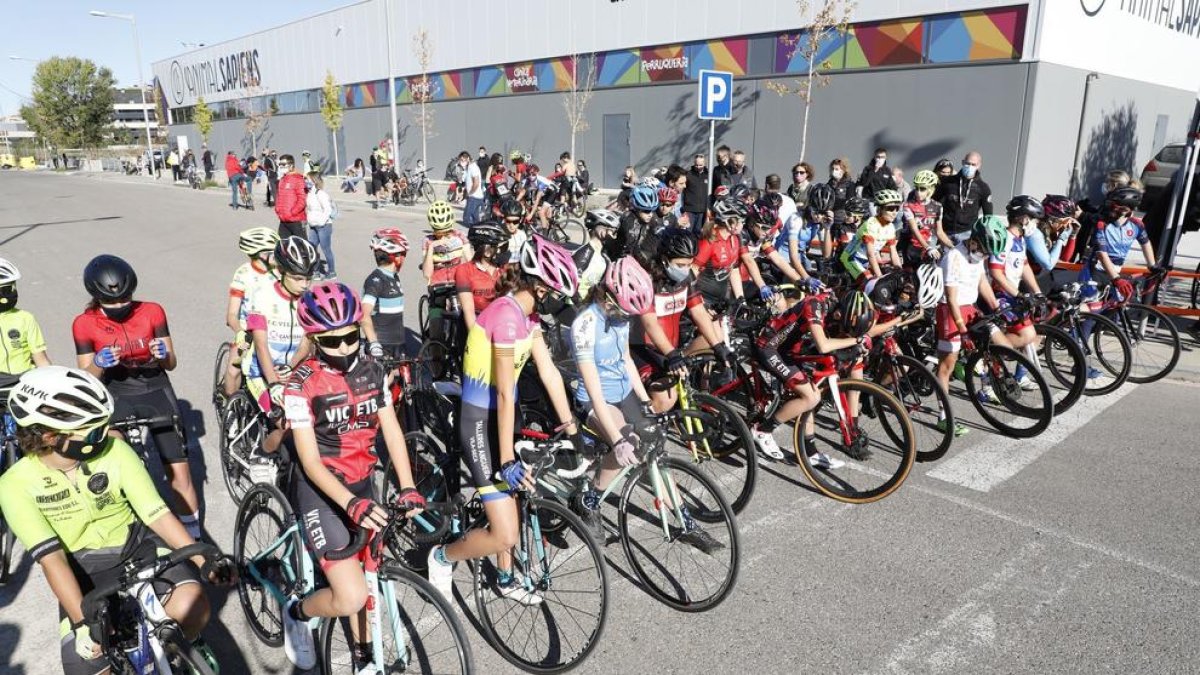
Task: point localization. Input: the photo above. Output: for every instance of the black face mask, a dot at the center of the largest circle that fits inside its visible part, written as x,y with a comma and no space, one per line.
342,363
8,297
550,304
118,313
95,443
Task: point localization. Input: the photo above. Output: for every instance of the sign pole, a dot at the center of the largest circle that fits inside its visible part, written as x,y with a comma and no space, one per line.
1177,208
714,101
712,139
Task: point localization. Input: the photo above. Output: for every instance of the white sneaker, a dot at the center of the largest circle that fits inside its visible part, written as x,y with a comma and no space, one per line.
298,640
518,593
824,462
1026,383
987,395
767,445
441,575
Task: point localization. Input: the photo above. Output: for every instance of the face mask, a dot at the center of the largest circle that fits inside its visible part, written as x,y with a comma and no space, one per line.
975,256
837,174
118,313
337,361
92,445
968,171
879,162
8,297
678,274
550,304
308,185
1028,228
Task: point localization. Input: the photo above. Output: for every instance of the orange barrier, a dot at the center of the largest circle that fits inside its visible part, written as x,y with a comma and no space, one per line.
1165,309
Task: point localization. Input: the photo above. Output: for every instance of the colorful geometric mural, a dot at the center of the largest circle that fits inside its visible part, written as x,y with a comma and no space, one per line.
668,63
976,36
727,55
885,43
619,68
489,81
554,74
520,78
831,52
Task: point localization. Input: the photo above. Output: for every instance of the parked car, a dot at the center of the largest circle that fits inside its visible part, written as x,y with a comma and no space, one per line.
1158,171
1156,178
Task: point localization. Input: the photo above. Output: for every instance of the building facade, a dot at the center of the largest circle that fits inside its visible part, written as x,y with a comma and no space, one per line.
1039,87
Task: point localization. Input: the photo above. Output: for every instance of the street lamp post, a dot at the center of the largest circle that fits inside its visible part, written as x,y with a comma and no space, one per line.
137,50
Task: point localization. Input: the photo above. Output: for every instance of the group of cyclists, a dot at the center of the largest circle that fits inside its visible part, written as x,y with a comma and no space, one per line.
602,324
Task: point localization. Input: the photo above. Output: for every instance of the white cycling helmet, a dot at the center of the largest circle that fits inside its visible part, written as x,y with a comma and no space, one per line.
930,286
8,272
257,239
69,400
603,217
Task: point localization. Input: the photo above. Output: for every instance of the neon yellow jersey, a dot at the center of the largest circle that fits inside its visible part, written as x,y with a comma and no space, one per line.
22,338
503,325
246,279
873,234
93,509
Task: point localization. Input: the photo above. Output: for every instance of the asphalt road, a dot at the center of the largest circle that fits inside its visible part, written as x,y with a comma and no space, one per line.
1073,553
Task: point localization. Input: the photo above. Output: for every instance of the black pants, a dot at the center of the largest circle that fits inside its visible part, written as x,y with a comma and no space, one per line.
297,229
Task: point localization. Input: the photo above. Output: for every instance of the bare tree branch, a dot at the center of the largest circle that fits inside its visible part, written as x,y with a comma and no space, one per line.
576,101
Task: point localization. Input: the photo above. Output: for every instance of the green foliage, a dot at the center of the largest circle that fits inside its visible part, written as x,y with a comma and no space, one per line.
72,102
331,103
203,117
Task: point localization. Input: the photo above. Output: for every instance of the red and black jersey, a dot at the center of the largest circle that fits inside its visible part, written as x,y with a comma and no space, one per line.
670,302
718,256
481,284
342,408
137,370
785,332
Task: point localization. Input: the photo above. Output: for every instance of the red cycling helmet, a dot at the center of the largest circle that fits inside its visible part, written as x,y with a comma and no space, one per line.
328,306
667,196
1058,206
389,240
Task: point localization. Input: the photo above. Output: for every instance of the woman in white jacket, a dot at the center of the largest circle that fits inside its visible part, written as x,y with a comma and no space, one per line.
318,210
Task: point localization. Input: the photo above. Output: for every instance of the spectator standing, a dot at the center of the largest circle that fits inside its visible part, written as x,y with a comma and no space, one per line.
319,211
964,197
802,177
233,171
207,160
738,173
291,200
902,185
269,167
876,176
695,193
308,165
721,170
483,161
173,163
841,182
473,181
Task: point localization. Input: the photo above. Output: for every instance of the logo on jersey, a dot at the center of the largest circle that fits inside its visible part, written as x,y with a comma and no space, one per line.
14,334
98,483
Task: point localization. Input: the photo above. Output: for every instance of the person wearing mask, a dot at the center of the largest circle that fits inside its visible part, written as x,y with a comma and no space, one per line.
269,167
695,192
1093,212
841,182
483,161
802,177
291,200
738,172
473,180
964,198
25,347
319,212
944,168
207,160
876,176
383,295
233,171
308,164
721,170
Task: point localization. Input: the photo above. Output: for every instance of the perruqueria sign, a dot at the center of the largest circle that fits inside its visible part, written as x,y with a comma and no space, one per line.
238,70
1182,16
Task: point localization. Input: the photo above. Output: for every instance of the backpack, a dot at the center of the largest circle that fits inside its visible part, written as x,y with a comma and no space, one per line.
333,210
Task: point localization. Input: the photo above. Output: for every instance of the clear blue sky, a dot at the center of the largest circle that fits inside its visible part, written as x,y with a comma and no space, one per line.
39,29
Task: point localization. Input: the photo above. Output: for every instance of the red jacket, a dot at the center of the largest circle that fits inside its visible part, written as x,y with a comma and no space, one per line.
289,202
232,166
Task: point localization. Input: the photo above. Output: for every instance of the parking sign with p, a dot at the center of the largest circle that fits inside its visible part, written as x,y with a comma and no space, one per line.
715,97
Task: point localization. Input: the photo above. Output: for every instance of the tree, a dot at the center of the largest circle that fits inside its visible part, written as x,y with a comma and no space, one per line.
255,120
331,112
72,104
829,17
203,117
423,51
578,96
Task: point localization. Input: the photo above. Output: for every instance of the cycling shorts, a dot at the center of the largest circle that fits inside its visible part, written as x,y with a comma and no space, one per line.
948,336
156,403
775,363
479,440
630,409
327,527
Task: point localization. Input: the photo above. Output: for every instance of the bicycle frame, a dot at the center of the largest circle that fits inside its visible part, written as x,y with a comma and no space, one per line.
825,370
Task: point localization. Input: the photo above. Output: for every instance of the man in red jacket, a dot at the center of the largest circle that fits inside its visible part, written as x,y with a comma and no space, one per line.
233,170
290,199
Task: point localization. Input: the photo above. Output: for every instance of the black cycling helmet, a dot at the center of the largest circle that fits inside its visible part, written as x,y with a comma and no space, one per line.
821,197
108,278
858,206
773,199
487,234
739,192
511,208
676,243
884,291
855,314
296,255
1129,197
583,257
943,163
1024,205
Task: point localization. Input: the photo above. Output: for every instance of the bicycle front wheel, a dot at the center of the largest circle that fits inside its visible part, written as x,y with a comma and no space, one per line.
714,426
574,231
268,548
427,193
421,632
926,404
220,365
1063,364
241,434
994,387
556,621
1153,342
873,456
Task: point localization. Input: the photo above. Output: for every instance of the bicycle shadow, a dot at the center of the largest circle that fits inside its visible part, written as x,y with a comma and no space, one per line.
225,647
10,636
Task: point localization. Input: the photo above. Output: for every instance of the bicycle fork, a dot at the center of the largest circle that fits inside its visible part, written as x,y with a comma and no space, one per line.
694,427
663,483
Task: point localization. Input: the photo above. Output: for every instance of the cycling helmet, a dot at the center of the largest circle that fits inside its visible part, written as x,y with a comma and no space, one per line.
1129,197
761,212
516,156
108,278
296,255
650,181
64,399
676,243
992,233
1058,206
930,286
774,199
389,240
1024,205
257,239
728,209
821,197
858,206
721,192
441,216
926,179
583,257
739,192
855,314
884,291
9,273
487,234
667,196
629,285
886,197
511,208
327,306
643,198
601,217
550,263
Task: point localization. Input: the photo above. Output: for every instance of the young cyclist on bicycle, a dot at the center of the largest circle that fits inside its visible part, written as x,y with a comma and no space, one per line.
668,197
23,344
635,235
1114,238
383,296
1008,270
718,256
336,403
807,226
475,281
840,234
258,243
127,344
82,503
921,217
590,259
275,332
540,192
1054,236
445,248
862,257
504,337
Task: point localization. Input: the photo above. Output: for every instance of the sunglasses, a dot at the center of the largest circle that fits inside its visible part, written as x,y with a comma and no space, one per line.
801,173
891,208
336,341
95,436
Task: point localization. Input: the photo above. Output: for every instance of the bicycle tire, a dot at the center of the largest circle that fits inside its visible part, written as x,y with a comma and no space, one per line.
917,386
251,594
1041,412
1140,372
423,316
238,441
837,485
431,467
8,539
1196,288
574,230
579,209
220,365
734,464
483,569
556,234
1071,378
435,352
450,659
675,592
427,193
1094,352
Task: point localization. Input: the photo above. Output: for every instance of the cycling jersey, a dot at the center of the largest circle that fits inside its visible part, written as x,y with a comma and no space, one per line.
596,340
342,409
21,337
960,273
448,252
1010,261
481,284
502,326
138,370
383,292
1117,238
786,335
92,509
716,256
273,310
249,276
871,234
922,217
670,302
633,238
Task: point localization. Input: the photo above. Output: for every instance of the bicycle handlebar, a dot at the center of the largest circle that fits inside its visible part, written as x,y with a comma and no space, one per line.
134,421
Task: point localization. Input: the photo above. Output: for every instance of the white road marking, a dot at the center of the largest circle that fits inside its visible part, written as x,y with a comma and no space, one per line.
984,466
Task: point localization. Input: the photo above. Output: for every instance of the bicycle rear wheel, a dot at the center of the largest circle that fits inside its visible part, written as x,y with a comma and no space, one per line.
1153,341
421,632
8,541
1013,411
573,230
882,462
691,565
926,403
220,365
435,477
566,570
427,192
241,436
1062,363
268,551
1106,352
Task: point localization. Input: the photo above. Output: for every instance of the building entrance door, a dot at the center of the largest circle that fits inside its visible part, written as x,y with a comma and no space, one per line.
616,149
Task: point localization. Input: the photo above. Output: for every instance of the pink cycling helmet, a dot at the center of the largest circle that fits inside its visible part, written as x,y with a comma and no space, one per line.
328,306
550,263
629,285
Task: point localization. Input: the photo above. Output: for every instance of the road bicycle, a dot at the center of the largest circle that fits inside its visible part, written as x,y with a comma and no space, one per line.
565,225
414,185
412,628
244,198
1153,339
193,177
1106,349
242,426
10,452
